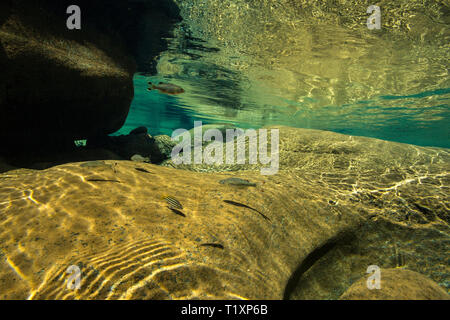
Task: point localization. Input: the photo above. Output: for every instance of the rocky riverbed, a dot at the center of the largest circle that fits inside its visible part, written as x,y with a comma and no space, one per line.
337,205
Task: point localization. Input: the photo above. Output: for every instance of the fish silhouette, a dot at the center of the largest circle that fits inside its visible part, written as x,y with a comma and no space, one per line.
238,204
178,212
237,182
143,170
214,245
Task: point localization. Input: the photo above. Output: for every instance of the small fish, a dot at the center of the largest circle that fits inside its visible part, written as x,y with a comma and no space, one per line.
245,206
102,180
237,182
214,245
166,88
173,203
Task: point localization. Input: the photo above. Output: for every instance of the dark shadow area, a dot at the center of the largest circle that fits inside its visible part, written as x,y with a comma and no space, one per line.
311,259
123,25
5,11
47,102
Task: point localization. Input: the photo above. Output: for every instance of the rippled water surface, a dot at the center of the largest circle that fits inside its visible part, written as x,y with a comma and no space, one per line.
264,67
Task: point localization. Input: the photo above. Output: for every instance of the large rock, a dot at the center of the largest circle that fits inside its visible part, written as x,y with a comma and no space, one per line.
111,220
397,284
333,193
58,85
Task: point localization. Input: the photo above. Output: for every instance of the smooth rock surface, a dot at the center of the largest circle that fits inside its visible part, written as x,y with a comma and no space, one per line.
111,220
397,284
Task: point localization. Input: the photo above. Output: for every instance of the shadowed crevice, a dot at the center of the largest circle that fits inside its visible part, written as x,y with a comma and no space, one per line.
311,259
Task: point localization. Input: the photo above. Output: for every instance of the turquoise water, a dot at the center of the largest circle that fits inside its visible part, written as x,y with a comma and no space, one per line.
389,117
161,113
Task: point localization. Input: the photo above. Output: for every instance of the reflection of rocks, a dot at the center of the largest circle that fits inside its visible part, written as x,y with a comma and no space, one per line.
313,64
137,143
397,284
337,205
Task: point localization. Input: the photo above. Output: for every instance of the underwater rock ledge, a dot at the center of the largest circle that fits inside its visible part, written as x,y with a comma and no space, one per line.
337,205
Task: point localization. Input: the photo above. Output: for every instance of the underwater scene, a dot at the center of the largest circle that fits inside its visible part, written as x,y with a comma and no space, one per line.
225,150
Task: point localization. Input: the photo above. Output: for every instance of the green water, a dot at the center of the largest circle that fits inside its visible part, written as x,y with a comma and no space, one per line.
389,117
246,63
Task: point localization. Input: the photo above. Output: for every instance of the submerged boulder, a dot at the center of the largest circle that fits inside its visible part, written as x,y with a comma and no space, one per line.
397,284
58,85
337,205
137,142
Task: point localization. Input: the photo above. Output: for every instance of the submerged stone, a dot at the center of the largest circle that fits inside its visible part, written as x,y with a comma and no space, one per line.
139,158
111,225
397,284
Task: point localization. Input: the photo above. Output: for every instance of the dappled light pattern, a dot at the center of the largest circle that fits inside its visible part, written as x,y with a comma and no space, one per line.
315,64
112,220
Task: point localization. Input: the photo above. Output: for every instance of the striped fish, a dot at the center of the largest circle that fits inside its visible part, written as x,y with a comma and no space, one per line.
173,203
